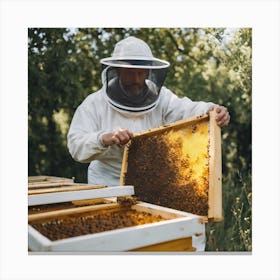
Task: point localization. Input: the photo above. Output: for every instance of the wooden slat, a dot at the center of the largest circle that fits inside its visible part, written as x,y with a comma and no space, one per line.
91,201
71,211
74,187
174,125
44,178
160,210
178,245
124,164
49,184
57,197
37,178
215,171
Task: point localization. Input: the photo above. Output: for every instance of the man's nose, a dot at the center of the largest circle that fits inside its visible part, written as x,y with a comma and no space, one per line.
136,78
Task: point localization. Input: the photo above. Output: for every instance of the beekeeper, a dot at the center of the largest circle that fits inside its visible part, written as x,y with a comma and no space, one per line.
132,99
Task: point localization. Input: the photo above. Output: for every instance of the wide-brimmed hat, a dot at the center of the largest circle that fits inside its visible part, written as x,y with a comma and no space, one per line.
133,53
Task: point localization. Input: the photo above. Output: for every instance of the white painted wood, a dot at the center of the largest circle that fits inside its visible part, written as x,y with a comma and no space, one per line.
47,198
37,241
132,237
182,226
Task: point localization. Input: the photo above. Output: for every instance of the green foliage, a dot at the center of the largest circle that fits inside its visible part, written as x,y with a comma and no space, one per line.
234,233
210,64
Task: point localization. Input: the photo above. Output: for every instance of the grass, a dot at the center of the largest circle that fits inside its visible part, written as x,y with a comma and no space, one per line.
234,233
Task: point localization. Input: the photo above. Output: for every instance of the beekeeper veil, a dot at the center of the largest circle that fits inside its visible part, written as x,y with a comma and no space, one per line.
133,76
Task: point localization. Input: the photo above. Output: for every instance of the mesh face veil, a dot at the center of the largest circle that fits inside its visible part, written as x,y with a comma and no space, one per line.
133,77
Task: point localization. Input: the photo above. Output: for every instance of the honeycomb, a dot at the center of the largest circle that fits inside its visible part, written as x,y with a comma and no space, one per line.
88,223
171,167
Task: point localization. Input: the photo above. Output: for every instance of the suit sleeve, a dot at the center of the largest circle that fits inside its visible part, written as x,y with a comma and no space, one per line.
84,136
176,108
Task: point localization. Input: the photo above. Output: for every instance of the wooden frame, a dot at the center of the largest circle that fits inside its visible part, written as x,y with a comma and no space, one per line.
55,187
170,235
215,170
58,197
44,179
215,161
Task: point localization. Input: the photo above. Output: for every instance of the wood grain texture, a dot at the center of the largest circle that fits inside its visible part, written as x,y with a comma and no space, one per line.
63,188
215,170
178,245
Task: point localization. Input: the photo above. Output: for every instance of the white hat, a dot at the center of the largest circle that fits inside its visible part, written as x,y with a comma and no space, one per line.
133,52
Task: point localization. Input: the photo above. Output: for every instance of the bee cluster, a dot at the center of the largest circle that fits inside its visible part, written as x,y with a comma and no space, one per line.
163,173
126,201
88,223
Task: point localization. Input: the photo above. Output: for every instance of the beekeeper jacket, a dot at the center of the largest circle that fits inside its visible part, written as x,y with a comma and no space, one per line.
96,116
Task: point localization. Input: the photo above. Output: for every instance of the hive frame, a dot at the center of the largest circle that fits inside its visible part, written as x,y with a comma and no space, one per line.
215,162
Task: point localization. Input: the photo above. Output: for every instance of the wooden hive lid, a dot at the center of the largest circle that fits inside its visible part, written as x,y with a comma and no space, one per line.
178,166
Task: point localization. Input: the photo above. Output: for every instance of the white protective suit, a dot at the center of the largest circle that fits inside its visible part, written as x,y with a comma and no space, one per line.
95,117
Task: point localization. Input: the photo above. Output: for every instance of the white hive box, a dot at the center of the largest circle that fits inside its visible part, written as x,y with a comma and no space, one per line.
197,145
49,222
172,234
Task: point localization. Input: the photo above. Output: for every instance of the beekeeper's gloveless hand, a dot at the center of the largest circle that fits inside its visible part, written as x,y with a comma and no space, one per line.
119,137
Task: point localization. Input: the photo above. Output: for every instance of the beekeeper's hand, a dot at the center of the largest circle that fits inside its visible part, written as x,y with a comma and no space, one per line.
222,115
119,137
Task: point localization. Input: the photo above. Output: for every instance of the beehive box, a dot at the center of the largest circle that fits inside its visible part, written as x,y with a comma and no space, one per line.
113,228
80,218
180,163
178,166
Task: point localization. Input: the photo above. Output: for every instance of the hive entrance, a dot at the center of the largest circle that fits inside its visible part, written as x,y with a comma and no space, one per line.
170,167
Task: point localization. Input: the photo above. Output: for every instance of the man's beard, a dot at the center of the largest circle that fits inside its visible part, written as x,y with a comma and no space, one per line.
132,89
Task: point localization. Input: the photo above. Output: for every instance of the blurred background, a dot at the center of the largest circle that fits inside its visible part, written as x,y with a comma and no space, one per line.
209,64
